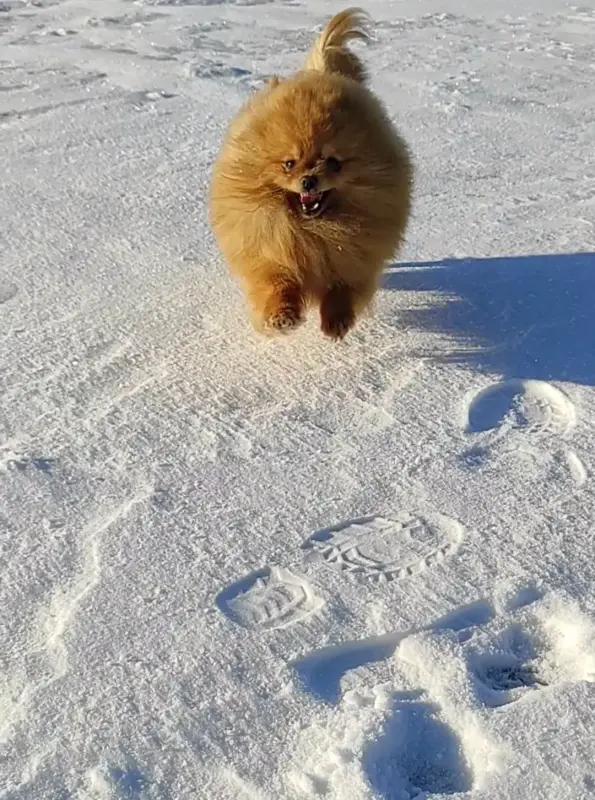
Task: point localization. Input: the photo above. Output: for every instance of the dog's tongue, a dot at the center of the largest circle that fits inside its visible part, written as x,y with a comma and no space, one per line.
310,198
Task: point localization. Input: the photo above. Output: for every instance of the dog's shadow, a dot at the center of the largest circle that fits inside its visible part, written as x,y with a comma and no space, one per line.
520,316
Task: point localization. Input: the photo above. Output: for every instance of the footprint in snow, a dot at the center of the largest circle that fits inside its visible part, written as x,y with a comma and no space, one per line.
522,422
424,731
537,408
377,548
387,548
268,599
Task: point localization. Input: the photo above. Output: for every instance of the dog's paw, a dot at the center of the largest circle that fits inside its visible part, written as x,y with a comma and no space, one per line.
282,321
282,309
337,326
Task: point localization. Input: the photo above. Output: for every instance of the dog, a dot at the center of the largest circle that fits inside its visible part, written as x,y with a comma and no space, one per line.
311,191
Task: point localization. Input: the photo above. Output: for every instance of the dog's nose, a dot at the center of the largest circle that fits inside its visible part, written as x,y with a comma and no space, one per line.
309,183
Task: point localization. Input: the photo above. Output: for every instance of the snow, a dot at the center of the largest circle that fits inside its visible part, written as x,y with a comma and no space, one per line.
242,569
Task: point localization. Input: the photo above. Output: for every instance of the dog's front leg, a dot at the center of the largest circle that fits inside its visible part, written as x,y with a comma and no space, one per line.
277,301
337,312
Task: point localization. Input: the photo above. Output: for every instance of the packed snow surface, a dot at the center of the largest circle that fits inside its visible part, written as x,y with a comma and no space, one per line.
240,568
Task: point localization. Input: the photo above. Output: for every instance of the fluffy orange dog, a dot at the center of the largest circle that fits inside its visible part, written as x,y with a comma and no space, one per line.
311,192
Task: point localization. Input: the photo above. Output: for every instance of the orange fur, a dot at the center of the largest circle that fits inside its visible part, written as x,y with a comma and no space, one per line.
322,122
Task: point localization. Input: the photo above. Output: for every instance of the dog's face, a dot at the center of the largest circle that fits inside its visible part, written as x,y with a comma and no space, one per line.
313,146
309,173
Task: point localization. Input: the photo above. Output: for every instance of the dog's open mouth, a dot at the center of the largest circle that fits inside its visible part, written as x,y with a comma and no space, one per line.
312,204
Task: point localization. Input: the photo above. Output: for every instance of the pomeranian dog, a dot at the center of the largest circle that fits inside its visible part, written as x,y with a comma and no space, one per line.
311,192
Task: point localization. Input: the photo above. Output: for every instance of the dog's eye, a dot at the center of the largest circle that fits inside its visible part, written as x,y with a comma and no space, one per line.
289,164
333,164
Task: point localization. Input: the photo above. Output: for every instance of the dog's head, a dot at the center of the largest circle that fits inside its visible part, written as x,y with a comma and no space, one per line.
318,140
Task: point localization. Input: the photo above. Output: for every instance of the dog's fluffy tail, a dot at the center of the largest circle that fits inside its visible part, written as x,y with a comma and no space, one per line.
329,53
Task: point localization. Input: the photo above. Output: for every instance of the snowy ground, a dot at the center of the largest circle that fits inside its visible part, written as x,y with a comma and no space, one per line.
234,568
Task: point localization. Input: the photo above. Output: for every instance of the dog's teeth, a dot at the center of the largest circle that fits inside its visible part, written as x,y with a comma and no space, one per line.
311,208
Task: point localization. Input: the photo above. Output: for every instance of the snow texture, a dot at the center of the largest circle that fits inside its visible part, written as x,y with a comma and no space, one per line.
242,569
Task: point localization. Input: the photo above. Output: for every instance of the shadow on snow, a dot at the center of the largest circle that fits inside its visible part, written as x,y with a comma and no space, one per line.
520,316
